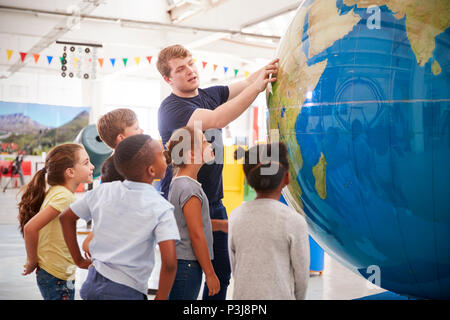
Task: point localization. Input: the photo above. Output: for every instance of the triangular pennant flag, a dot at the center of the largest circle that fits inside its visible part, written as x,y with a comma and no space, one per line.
225,69
9,53
149,58
36,57
236,71
137,59
125,61
195,60
22,55
246,74
113,61
49,58
75,60
61,59
215,67
100,62
204,64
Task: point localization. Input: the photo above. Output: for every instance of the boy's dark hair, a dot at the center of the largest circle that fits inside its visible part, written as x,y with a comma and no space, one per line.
109,171
263,170
133,155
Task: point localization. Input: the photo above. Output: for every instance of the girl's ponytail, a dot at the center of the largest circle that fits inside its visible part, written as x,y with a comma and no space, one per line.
57,161
32,198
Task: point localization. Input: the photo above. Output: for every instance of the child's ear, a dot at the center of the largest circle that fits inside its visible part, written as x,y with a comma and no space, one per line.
70,172
287,178
119,138
151,171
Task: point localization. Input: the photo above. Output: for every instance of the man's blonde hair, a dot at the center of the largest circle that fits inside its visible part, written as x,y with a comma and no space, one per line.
169,53
113,123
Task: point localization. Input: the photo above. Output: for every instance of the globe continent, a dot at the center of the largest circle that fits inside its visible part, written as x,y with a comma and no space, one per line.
362,100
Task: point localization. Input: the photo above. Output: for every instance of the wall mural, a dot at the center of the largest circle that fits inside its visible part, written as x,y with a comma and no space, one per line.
36,128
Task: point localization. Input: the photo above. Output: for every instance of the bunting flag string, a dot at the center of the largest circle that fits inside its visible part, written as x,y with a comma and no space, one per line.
9,53
137,60
22,55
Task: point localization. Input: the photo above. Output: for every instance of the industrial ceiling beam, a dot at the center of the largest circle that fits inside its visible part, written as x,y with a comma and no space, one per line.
188,8
61,28
140,23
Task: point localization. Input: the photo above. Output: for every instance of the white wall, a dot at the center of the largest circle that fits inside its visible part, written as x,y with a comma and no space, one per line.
142,95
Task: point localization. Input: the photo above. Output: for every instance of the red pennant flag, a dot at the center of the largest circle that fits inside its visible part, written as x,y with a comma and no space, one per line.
36,57
100,62
204,64
215,67
149,58
23,55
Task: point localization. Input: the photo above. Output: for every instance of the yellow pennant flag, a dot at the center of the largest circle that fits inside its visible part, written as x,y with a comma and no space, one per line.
75,60
246,73
9,53
138,60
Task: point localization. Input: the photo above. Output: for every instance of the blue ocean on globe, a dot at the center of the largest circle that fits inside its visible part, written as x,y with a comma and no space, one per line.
369,143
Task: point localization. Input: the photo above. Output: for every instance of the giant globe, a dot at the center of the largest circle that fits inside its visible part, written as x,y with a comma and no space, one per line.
362,101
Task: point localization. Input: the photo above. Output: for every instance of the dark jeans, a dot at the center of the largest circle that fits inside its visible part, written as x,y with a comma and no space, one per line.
187,281
53,288
221,262
97,287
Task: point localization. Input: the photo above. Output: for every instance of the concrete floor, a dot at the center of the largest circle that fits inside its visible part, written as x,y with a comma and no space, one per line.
336,282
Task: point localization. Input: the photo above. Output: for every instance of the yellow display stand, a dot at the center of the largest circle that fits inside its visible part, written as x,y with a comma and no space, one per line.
233,180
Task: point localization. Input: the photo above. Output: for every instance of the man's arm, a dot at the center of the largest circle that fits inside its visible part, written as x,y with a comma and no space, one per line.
234,107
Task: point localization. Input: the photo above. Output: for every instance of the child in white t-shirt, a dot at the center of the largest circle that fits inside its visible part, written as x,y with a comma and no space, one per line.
129,217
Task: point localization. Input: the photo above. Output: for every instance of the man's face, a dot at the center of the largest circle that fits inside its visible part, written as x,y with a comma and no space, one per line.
183,75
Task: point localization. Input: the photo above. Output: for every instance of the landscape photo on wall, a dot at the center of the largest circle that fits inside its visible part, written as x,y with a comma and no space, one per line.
36,128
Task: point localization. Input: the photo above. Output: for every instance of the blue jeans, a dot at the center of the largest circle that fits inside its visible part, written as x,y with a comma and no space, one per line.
187,281
221,262
97,287
53,288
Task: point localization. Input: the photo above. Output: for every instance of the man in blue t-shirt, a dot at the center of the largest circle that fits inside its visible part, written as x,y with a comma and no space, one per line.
212,108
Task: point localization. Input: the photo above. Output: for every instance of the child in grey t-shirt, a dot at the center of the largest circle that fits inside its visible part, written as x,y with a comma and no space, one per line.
187,151
182,189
